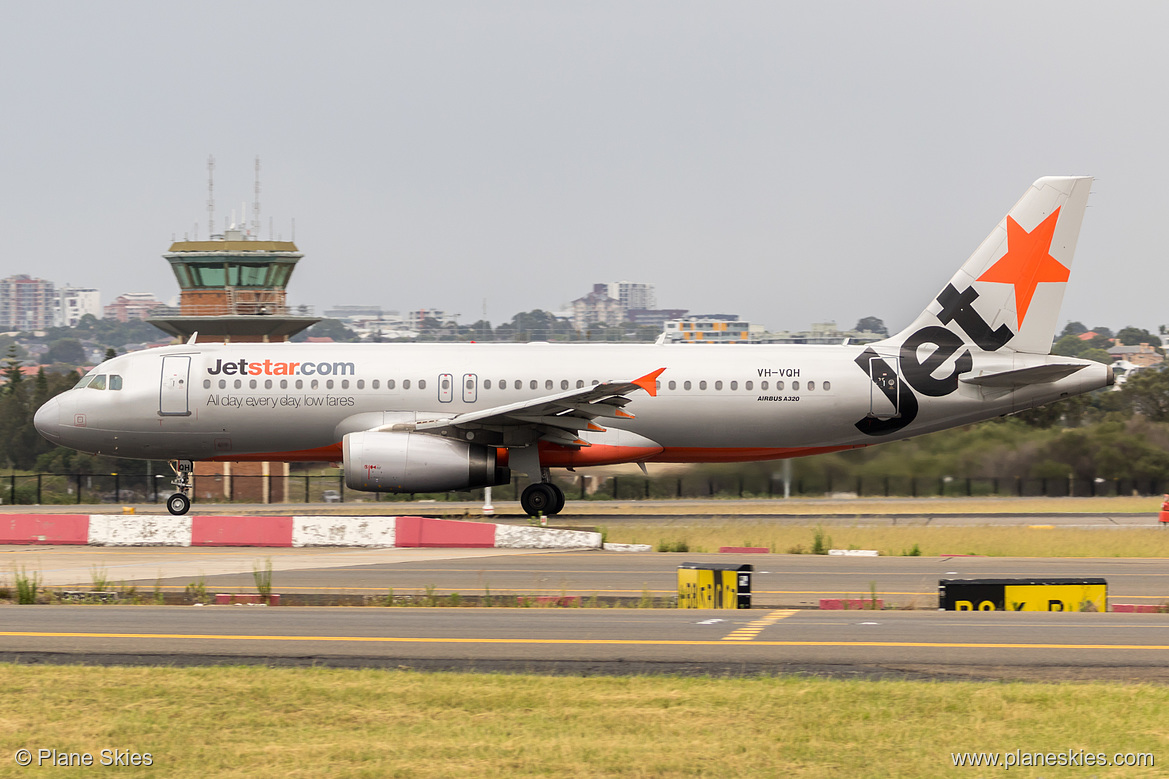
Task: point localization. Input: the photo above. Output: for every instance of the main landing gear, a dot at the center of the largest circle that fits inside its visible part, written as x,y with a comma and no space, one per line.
180,503
542,498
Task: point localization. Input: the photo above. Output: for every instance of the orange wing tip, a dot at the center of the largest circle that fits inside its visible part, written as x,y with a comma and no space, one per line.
625,414
648,382
596,428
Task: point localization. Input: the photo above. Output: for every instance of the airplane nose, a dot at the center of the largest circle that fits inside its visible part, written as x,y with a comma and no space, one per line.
47,420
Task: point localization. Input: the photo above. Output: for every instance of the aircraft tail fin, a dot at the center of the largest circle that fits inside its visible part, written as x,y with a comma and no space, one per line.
1007,295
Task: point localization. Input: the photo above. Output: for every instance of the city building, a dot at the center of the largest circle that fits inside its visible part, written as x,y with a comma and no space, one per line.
822,333
349,312
1137,357
76,302
597,308
131,306
633,295
712,329
26,303
654,317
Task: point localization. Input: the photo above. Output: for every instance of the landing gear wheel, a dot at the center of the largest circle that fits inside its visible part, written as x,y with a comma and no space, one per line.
539,498
559,505
178,504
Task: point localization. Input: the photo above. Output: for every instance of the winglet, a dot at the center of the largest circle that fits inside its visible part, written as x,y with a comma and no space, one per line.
648,382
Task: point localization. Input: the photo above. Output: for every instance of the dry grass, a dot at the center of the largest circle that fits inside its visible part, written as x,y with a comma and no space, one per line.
994,541
236,722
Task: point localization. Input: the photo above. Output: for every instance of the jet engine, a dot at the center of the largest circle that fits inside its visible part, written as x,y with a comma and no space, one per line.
417,462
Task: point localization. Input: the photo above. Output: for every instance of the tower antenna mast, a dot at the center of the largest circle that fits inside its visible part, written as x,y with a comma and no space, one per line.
210,196
256,205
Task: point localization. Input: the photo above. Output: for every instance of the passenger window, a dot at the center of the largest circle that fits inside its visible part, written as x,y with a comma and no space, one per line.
299,383
223,384
446,384
375,383
548,384
115,381
534,384
405,384
390,384
314,384
206,383
595,382
778,386
686,385
702,385
422,384
98,383
284,384
564,384
826,386
580,383
795,386
328,384
811,385
239,383
361,384
734,386
267,384
344,383
749,386
486,384
519,384
718,385
673,385
471,384
763,386
252,384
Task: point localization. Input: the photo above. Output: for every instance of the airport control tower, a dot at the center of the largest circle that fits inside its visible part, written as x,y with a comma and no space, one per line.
233,289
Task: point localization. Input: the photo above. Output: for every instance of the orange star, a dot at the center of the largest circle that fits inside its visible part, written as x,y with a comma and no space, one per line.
1028,262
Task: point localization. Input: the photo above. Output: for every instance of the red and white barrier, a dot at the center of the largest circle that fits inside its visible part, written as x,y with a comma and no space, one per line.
198,530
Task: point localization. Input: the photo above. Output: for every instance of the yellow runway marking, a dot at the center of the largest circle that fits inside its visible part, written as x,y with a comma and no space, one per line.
582,641
755,627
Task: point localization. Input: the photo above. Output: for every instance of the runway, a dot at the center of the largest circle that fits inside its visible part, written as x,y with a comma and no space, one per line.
779,581
591,641
780,635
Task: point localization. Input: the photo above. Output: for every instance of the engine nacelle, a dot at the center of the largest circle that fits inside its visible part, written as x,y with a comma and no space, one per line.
416,462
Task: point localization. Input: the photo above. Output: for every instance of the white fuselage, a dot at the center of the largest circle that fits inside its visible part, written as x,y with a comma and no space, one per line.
714,403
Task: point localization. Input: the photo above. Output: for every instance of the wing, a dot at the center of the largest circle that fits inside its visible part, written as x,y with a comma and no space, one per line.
556,418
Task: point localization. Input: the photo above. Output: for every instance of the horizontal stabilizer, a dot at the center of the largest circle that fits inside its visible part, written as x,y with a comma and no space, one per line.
1037,374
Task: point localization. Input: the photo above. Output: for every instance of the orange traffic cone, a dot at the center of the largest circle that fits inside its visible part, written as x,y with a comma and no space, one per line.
1164,516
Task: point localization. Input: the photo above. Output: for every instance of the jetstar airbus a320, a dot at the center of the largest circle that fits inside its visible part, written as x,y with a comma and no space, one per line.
434,417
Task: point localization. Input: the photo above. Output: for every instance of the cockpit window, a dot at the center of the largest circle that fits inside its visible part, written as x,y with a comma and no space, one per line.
84,381
99,382
115,381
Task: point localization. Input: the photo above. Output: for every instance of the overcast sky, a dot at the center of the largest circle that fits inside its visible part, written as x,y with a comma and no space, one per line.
790,162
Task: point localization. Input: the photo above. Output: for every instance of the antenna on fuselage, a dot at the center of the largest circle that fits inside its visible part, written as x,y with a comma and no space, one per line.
194,337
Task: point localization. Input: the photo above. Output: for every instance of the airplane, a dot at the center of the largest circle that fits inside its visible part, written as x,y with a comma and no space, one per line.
409,418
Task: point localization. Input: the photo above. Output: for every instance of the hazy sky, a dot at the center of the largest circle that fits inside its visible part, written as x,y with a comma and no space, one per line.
791,162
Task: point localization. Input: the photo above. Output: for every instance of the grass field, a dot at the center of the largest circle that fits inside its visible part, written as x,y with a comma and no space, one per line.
237,722
707,536
863,507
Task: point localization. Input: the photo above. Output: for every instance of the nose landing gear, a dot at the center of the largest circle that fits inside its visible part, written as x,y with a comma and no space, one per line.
180,502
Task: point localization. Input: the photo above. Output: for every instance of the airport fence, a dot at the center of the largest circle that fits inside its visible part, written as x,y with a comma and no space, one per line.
76,488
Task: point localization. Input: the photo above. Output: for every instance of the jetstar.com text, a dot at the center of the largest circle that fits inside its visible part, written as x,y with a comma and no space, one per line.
276,368
1070,757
